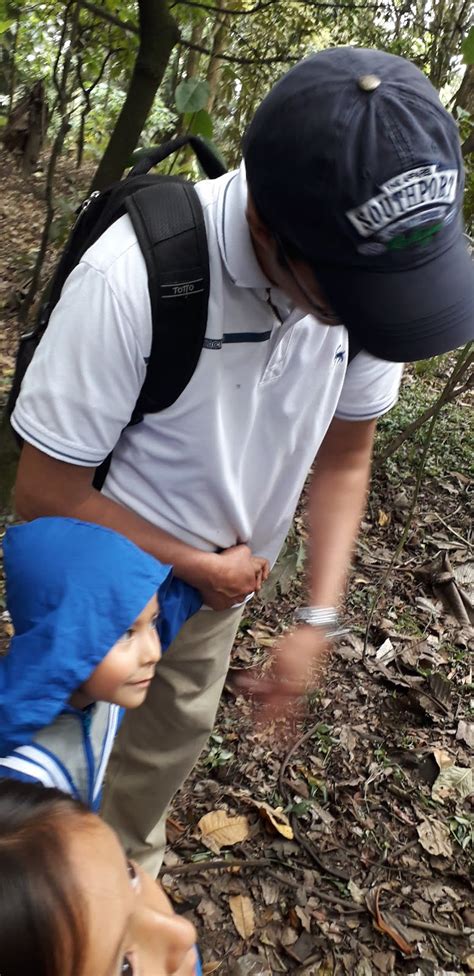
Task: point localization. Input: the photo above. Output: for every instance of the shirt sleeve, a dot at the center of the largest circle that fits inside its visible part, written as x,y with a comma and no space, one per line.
82,385
370,388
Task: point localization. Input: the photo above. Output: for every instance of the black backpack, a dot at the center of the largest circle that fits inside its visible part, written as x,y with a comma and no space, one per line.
167,217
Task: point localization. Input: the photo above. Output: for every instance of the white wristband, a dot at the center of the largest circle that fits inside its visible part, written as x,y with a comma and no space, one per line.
327,618
317,616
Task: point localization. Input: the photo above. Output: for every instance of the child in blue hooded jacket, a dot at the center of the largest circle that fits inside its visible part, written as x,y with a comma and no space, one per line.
87,606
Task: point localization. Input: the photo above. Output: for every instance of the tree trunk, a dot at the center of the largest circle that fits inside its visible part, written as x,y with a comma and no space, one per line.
80,136
158,35
192,60
26,128
215,63
189,69
465,100
61,76
12,86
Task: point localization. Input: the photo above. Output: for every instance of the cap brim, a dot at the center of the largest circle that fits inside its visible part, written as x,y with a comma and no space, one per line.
410,314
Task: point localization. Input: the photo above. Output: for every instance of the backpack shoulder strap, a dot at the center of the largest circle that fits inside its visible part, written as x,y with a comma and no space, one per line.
169,223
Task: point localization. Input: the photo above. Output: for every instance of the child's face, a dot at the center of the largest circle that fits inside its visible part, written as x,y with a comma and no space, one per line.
125,674
130,926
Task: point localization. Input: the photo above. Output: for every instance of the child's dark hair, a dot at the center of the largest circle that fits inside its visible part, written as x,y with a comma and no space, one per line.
41,920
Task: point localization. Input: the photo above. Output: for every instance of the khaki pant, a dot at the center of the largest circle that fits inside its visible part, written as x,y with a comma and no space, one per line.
160,742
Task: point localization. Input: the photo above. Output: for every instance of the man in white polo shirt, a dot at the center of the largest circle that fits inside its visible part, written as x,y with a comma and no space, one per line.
348,210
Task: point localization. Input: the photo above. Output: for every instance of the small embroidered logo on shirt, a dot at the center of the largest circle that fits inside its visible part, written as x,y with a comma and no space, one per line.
340,354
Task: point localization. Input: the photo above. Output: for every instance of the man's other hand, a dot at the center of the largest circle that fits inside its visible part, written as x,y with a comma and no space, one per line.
299,661
232,575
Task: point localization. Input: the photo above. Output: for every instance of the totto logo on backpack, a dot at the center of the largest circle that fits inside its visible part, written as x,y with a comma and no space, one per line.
167,217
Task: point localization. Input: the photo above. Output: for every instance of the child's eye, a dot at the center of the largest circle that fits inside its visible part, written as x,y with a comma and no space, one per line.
133,875
127,635
154,621
127,967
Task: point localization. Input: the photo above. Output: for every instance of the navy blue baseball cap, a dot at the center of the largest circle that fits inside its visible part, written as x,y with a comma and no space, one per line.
354,163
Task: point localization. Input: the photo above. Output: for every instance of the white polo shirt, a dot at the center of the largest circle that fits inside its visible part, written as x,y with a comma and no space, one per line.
227,461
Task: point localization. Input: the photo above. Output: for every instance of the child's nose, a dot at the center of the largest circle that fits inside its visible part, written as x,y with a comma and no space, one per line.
151,647
169,939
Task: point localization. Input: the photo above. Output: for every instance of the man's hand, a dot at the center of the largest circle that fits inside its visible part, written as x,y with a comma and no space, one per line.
232,575
46,486
299,660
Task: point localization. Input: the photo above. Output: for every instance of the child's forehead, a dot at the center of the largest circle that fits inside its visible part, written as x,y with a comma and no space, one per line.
153,604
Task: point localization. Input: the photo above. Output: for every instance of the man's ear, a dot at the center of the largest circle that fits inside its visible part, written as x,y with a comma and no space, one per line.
261,234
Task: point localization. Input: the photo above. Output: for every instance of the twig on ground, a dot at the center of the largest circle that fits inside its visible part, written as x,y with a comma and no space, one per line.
303,841
196,867
453,532
291,751
416,923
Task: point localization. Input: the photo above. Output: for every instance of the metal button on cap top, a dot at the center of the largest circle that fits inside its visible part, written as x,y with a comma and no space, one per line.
368,83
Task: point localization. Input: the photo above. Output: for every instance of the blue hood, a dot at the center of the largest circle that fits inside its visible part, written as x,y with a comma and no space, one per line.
72,590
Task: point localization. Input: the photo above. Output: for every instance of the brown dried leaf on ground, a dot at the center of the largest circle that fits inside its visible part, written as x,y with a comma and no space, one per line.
249,965
442,578
219,829
276,818
243,915
455,782
465,732
389,924
357,894
434,837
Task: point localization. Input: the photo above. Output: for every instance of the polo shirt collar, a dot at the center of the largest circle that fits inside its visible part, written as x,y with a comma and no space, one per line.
233,234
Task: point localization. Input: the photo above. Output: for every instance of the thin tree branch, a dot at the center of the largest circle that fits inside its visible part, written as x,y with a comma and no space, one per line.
271,3
88,91
125,25
451,392
235,59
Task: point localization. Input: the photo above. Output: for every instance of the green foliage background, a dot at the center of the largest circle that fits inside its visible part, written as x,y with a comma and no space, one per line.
249,44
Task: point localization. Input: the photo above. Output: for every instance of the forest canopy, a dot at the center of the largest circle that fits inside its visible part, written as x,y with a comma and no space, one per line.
117,75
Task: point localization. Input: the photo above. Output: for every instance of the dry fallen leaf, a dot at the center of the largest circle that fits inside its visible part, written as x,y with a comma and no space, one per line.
386,652
443,758
303,918
438,972
357,894
278,820
465,731
348,739
434,837
384,518
242,914
388,923
363,968
453,780
218,829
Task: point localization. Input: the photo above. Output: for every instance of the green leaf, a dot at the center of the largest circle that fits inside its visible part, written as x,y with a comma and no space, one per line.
5,25
467,47
199,123
191,95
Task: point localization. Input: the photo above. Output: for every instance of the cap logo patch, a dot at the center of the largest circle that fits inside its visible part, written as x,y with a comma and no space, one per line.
414,198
